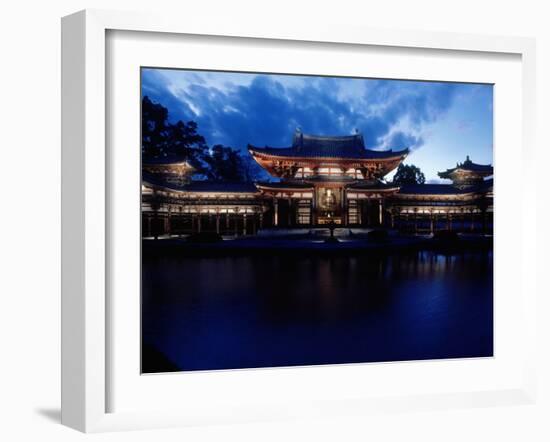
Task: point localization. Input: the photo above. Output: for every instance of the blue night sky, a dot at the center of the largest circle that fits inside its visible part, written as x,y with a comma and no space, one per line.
440,122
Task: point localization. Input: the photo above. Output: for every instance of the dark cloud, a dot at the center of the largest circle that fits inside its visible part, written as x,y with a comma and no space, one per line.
265,112
399,139
419,103
153,84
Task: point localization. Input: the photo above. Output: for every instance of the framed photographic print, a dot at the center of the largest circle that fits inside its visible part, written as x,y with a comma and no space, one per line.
323,251
266,223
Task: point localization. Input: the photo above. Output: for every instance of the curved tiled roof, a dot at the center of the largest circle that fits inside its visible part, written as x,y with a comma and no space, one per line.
431,189
378,185
316,146
444,189
327,151
164,160
201,186
220,186
285,185
470,166
347,142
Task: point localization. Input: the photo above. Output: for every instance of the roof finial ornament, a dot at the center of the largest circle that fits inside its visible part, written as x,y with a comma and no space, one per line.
298,129
356,131
468,158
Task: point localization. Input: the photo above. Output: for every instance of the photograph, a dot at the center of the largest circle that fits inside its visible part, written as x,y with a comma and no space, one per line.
302,220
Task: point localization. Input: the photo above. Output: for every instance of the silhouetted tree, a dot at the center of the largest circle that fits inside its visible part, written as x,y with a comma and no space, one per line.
182,141
162,139
408,174
224,164
154,128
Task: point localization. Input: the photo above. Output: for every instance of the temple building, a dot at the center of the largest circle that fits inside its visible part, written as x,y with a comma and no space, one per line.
316,180
175,208
326,179
465,205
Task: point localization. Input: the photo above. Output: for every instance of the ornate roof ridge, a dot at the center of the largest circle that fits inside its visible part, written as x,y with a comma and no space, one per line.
200,185
468,165
330,137
297,152
165,161
301,140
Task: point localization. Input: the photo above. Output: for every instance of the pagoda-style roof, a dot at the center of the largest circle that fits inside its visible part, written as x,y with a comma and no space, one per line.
316,152
467,168
172,170
445,189
199,186
165,161
369,186
284,185
326,147
221,186
431,189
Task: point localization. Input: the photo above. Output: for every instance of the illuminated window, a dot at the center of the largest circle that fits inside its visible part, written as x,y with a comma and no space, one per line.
304,212
332,171
354,173
353,212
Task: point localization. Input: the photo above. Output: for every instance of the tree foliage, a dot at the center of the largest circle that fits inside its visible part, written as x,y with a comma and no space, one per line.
154,130
408,174
224,164
162,139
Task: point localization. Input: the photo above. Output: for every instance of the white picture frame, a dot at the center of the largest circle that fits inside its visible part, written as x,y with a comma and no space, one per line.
85,198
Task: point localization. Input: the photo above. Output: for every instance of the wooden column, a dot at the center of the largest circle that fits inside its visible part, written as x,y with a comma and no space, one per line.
399,217
431,222
217,222
380,212
275,212
368,210
345,206
199,222
155,225
289,215
244,223
314,207
155,205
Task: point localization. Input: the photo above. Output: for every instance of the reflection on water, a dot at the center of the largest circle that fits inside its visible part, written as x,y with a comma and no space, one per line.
215,313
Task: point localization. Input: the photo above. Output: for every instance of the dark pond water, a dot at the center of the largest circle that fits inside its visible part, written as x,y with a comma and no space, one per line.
265,311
